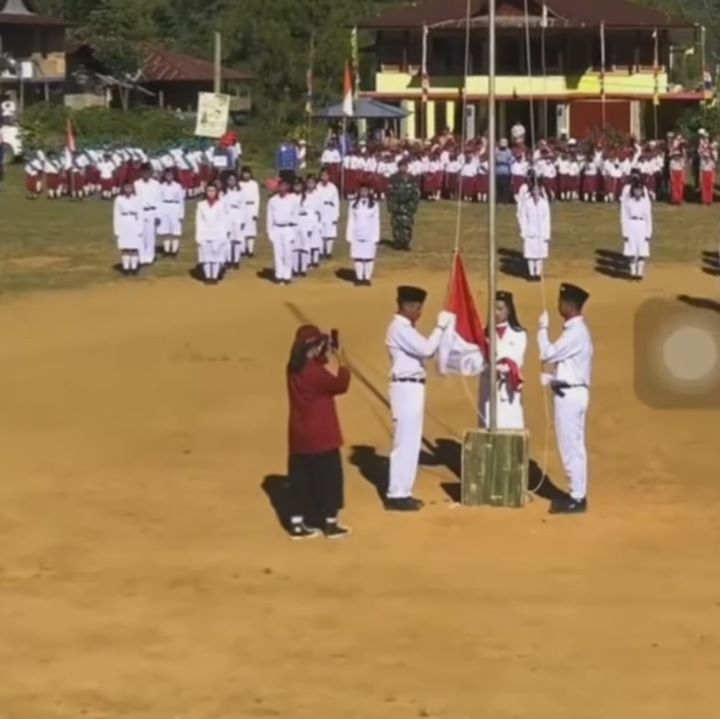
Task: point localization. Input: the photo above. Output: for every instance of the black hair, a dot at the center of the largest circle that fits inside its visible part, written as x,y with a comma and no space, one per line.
298,358
246,169
513,321
370,197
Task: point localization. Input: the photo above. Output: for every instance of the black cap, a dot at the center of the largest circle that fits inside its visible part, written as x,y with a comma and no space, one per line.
573,293
406,293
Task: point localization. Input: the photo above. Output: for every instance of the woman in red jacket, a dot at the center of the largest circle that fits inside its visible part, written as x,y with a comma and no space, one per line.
314,438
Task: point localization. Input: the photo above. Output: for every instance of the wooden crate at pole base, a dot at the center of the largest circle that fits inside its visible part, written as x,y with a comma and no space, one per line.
495,467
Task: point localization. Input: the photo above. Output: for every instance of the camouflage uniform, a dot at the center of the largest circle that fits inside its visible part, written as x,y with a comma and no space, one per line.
402,201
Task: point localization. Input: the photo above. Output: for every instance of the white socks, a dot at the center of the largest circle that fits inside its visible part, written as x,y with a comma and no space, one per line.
364,269
166,246
637,267
211,270
134,261
314,257
175,245
236,252
250,242
125,259
535,268
328,243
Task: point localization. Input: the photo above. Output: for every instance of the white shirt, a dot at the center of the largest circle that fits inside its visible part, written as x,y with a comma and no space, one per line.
409,349
363,223
211,222
572,353
281,215
148,194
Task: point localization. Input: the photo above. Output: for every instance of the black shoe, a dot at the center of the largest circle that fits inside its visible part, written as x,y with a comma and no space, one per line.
367,283
300,530
333,530
568,505
404,504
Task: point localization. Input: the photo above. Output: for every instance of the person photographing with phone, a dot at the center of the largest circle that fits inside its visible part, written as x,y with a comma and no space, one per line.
316,374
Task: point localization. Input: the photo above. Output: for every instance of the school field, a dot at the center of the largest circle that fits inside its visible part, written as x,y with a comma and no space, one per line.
144,573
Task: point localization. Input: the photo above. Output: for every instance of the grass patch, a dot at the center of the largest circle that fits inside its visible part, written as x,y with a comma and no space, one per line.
46,245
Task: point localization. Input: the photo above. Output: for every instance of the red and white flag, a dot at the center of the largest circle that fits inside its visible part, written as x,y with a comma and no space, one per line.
464,345
347,105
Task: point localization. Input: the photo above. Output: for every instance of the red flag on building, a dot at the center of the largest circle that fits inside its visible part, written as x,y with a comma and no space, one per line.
464,347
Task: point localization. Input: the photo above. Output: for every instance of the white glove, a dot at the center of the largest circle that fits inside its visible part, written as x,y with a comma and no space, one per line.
444,319
544,321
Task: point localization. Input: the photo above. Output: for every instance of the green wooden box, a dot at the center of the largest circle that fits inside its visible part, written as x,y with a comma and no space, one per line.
495,467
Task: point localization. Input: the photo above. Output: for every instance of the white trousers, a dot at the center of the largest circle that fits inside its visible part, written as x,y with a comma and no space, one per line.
147,246
283,254
407,403
570,413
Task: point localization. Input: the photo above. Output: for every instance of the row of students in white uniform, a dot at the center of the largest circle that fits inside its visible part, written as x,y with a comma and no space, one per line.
535,225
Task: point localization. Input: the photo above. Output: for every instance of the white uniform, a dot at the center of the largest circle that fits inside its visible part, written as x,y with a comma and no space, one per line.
172,209
307,237
637,228
330,210
251,193
535,230
363,234
511,345
408,349
315,240
234,200
572,356
281,228
212,229
149,195
128,222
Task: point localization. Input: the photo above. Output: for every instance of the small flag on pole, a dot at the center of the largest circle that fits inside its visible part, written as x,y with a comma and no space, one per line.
424,77
464,346
355,58
347,106
70,139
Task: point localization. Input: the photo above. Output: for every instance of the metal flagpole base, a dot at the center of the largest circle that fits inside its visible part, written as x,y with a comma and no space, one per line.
495,467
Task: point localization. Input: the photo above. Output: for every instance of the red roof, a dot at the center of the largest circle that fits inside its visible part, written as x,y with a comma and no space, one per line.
161,65
618,13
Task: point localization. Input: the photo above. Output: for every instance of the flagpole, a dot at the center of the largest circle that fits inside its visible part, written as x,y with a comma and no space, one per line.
602,71
492,208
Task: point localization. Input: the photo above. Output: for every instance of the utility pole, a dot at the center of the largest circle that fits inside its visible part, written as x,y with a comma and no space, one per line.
217,85
492,209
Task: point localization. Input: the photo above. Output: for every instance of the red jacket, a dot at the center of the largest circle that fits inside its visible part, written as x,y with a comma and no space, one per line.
314,427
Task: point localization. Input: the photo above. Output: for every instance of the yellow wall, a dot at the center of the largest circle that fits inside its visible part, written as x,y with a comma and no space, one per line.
397,83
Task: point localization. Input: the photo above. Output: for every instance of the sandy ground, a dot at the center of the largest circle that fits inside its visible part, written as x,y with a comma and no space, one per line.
143,572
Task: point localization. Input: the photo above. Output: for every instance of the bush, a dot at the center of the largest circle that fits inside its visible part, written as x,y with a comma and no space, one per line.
45,127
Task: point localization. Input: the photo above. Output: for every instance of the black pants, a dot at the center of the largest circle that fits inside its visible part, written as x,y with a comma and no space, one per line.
316,485
504,189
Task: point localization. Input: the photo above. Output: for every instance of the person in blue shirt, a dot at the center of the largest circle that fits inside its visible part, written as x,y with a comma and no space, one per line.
287,160
503,161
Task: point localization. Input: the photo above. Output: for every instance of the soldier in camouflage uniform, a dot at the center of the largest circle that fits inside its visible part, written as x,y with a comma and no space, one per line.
402,201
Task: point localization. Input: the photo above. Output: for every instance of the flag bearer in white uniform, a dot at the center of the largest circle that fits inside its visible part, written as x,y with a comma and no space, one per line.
637,228
212,230
171,213
234,200
534,217
363,234
571,358
330,209
282,210
251,193
408,351
148,191
127,228
511,344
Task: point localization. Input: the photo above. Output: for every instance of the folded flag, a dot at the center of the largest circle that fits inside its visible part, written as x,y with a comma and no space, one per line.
464,346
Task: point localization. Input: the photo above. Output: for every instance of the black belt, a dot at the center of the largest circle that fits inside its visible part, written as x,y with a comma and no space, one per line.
171,202
558,387
289,224
129,214
412,380
151,207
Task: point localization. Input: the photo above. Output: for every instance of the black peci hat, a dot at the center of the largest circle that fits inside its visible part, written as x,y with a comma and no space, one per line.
572,293
407,293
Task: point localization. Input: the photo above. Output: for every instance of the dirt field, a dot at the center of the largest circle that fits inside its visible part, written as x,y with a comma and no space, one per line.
144,574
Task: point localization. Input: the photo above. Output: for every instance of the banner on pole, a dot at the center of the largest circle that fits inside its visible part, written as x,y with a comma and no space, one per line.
212,114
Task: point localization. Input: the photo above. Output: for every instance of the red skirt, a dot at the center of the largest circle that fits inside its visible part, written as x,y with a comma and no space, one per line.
186,179
590,184
33,184
451,185
382,184
432,183
517,182
107,184
677,186
334,173
707,186
551,184
52,181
